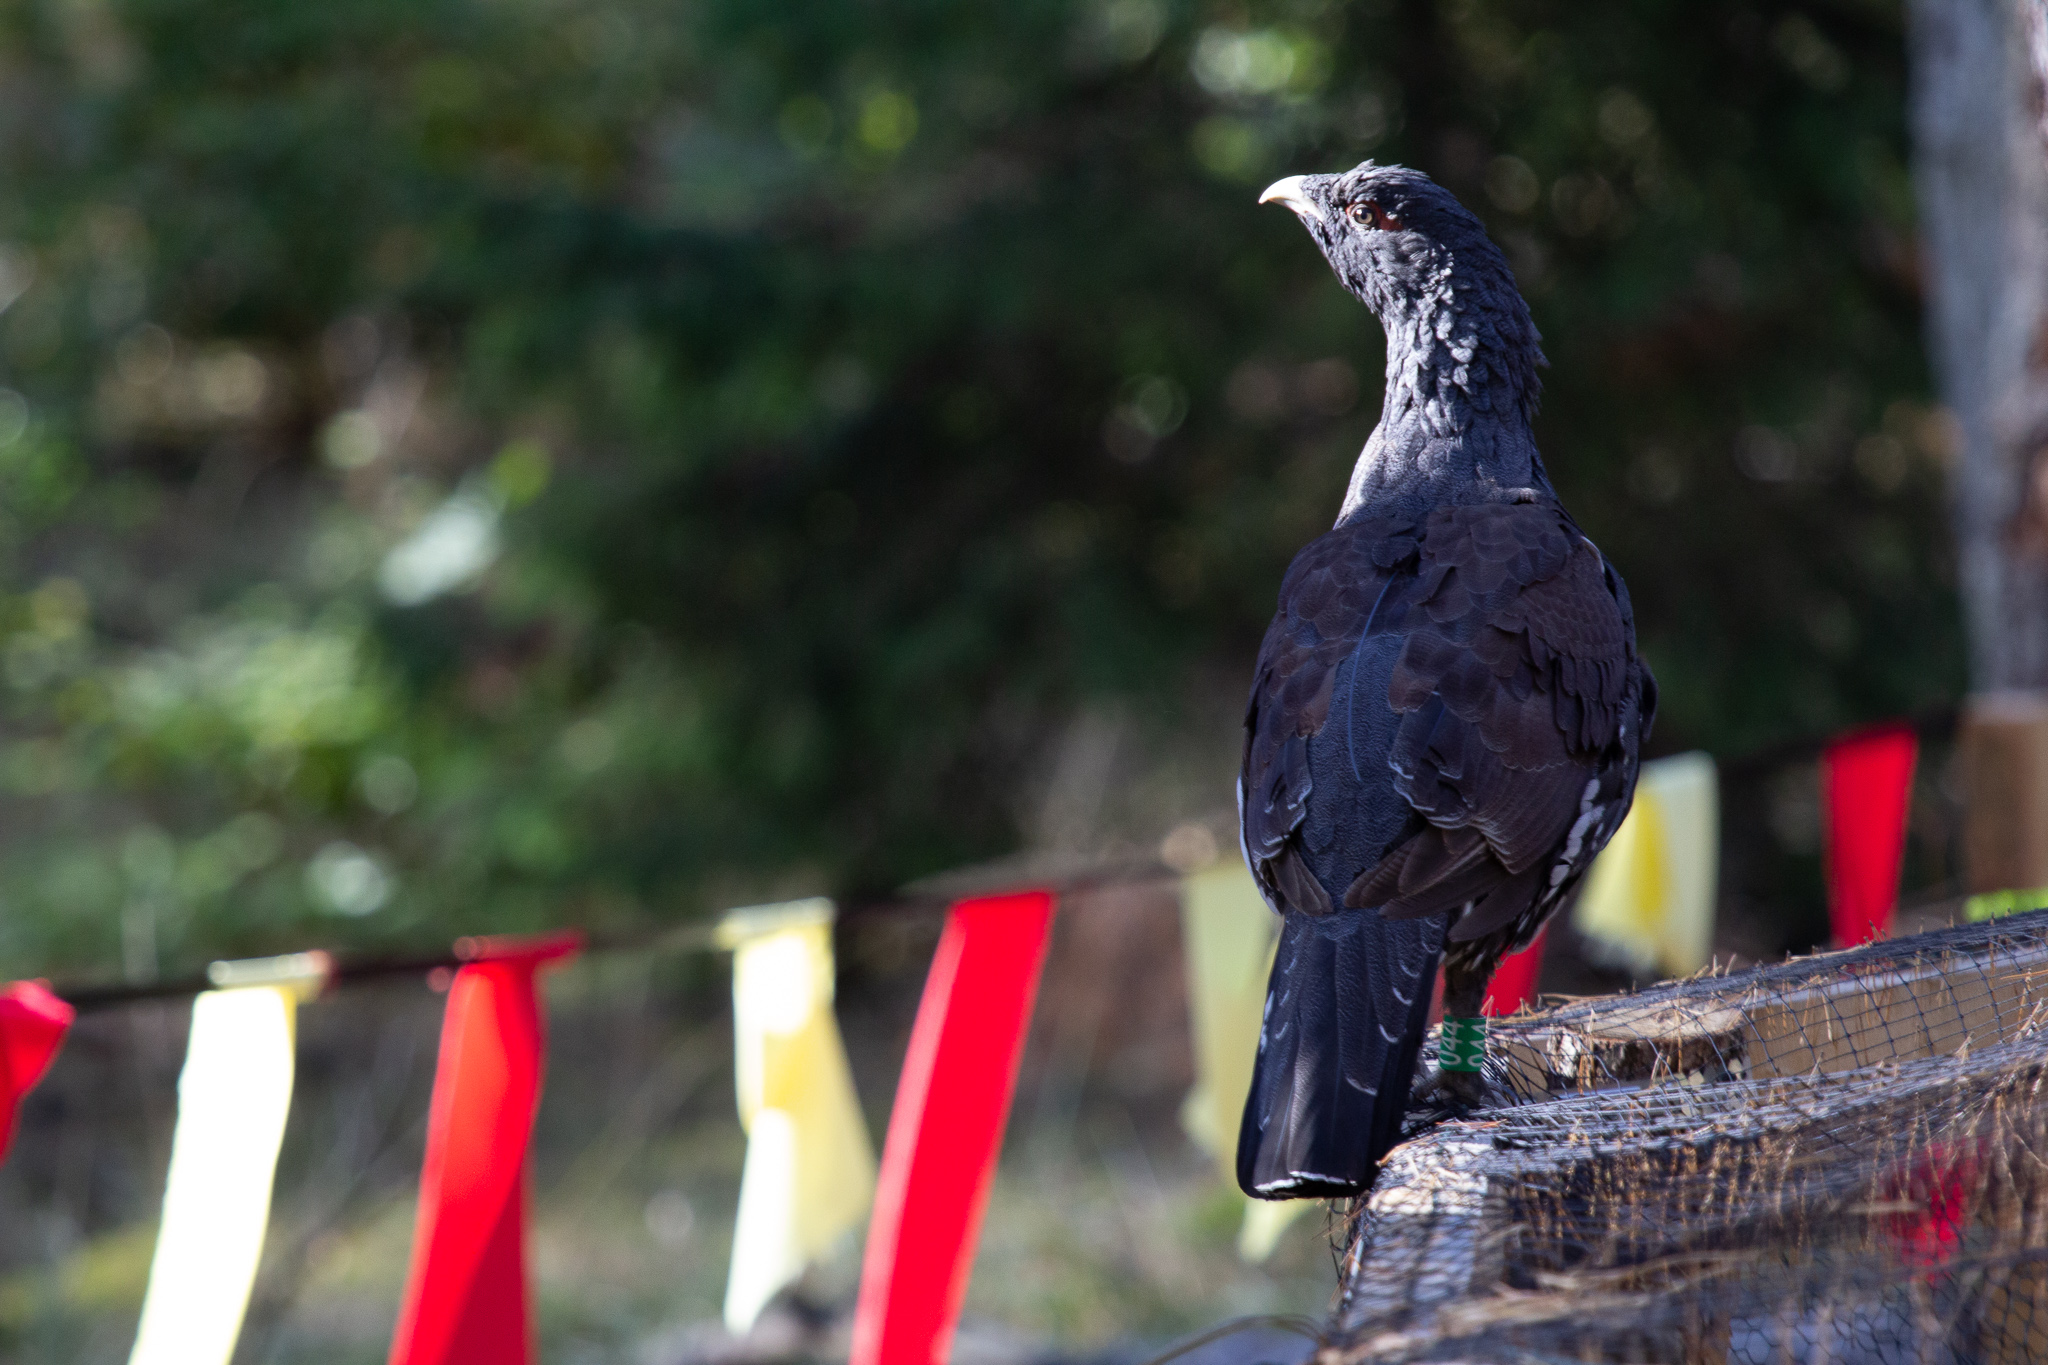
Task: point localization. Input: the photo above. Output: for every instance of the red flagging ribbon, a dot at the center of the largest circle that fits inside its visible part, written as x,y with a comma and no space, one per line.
465,1293
1514,981
1866,782
33,1023
951,1105
1936,1197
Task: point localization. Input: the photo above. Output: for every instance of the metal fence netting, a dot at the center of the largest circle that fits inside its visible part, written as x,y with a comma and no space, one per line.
1835,1159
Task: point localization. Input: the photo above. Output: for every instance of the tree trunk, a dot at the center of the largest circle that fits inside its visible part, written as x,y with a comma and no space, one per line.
1981,171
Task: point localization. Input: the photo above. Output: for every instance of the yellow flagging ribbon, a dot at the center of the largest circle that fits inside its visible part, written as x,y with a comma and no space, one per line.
1649,898
810,1170
1228,936
232,1099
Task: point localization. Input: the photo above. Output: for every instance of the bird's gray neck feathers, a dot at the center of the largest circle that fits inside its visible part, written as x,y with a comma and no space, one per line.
1462,355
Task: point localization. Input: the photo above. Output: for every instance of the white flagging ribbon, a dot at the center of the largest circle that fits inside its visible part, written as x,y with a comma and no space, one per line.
232,1099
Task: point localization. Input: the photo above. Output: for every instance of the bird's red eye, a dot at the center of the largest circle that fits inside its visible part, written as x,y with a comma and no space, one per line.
1366,213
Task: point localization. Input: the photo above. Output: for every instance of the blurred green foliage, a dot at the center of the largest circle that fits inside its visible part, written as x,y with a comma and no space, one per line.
476,464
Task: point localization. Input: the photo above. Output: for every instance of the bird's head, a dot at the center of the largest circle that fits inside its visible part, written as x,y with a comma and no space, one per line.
1394,236
1422,262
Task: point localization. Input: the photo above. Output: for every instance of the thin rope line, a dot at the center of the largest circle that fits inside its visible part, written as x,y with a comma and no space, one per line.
1286,1322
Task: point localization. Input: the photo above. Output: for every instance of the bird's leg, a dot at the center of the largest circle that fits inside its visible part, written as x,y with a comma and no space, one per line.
1464,1036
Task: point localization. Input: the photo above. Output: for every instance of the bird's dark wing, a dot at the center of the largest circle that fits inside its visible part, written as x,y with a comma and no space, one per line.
1327,602
1516,685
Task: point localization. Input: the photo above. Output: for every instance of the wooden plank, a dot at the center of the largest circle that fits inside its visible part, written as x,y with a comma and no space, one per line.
1653,1043
1423,1243
1929,1008
2013,1326
1433,1264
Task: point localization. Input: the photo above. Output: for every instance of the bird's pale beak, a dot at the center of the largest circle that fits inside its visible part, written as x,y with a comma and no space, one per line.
1293,192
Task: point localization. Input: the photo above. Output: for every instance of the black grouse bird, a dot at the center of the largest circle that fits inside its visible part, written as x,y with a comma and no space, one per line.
1444,725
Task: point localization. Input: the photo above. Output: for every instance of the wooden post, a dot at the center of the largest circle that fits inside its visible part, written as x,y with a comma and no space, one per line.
2002,744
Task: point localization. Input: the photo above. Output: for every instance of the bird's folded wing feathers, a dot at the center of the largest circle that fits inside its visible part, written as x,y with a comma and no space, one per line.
1512,679
1327,600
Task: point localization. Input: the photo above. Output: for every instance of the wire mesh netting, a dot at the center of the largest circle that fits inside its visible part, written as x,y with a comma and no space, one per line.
1835,1159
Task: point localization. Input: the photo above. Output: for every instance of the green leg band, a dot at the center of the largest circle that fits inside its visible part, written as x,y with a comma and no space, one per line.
1463,1045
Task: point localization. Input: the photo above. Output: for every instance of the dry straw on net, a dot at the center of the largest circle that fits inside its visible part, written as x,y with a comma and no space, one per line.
1835,1159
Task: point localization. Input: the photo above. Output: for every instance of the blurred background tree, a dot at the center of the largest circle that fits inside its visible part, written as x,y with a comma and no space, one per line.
476,465
1978,151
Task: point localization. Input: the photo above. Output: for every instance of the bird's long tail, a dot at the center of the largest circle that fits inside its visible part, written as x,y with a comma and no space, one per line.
1345,1015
